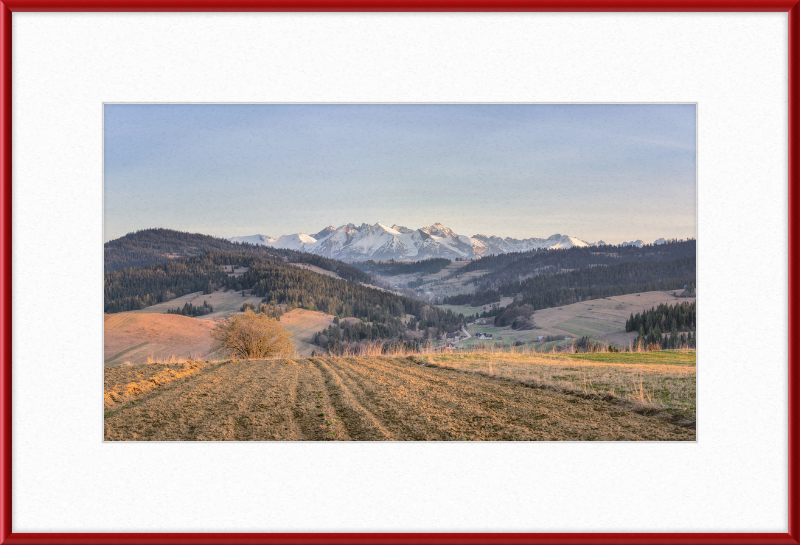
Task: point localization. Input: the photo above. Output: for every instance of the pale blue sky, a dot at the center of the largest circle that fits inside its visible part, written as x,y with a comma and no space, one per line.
611,172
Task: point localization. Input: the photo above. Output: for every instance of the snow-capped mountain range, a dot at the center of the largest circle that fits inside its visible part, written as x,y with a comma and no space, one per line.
380,242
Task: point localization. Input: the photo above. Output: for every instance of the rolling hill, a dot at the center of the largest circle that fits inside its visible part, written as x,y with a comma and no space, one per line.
133,337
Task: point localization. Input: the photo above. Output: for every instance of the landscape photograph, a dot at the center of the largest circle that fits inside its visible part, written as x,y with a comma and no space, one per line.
407,272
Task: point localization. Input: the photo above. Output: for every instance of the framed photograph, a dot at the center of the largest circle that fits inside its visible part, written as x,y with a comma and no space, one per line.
399,273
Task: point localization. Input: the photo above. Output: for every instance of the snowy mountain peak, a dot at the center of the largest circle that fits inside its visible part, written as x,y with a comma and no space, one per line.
379,227
439,230
325,232
254,239
381,242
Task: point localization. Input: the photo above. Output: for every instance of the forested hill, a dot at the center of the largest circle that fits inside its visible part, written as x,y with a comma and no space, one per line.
151,246
154,246
504,268
276,281
555,290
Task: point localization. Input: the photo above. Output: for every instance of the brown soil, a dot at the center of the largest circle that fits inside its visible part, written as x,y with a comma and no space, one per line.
364,399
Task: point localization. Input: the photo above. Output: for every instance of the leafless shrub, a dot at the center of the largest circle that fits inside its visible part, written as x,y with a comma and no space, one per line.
252,336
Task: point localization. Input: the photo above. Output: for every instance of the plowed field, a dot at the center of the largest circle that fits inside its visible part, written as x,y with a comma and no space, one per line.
362,399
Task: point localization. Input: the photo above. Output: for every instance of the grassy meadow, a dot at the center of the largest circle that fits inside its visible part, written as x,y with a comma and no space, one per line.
602,319
661,381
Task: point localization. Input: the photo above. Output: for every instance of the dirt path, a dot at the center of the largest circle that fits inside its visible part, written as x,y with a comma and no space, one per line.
367,399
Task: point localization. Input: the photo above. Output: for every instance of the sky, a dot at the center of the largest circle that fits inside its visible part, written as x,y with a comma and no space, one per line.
597,172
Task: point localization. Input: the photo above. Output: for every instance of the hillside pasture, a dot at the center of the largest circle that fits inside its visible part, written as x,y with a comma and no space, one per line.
136,336
235,272
224,303
132,337
456,285
302,324
602,319
466,310
314,268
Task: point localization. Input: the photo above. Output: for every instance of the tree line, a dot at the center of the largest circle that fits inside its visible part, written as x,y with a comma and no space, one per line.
150,246
512,266
191,310
158,246
270,310
665,326
558,289
392,267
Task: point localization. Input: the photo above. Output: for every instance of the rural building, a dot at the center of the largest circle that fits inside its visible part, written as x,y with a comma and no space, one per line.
540,338
485,336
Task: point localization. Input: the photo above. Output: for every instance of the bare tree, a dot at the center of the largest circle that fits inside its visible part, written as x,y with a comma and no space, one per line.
252,336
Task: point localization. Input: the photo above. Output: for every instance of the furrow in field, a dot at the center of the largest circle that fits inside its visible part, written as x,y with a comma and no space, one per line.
349,400
427,403
419,403
313,408
235,401
363,399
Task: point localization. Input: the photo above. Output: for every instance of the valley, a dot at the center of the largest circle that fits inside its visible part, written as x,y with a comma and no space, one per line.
377,353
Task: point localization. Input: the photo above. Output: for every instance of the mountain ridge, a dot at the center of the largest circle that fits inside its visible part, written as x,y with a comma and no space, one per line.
380,242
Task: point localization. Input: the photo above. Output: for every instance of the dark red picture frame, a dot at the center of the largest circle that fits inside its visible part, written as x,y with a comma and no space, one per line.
7,7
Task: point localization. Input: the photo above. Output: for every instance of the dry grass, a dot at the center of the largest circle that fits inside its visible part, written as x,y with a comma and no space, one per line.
302,324
361,399
658,381
135,337
668,386
135,381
